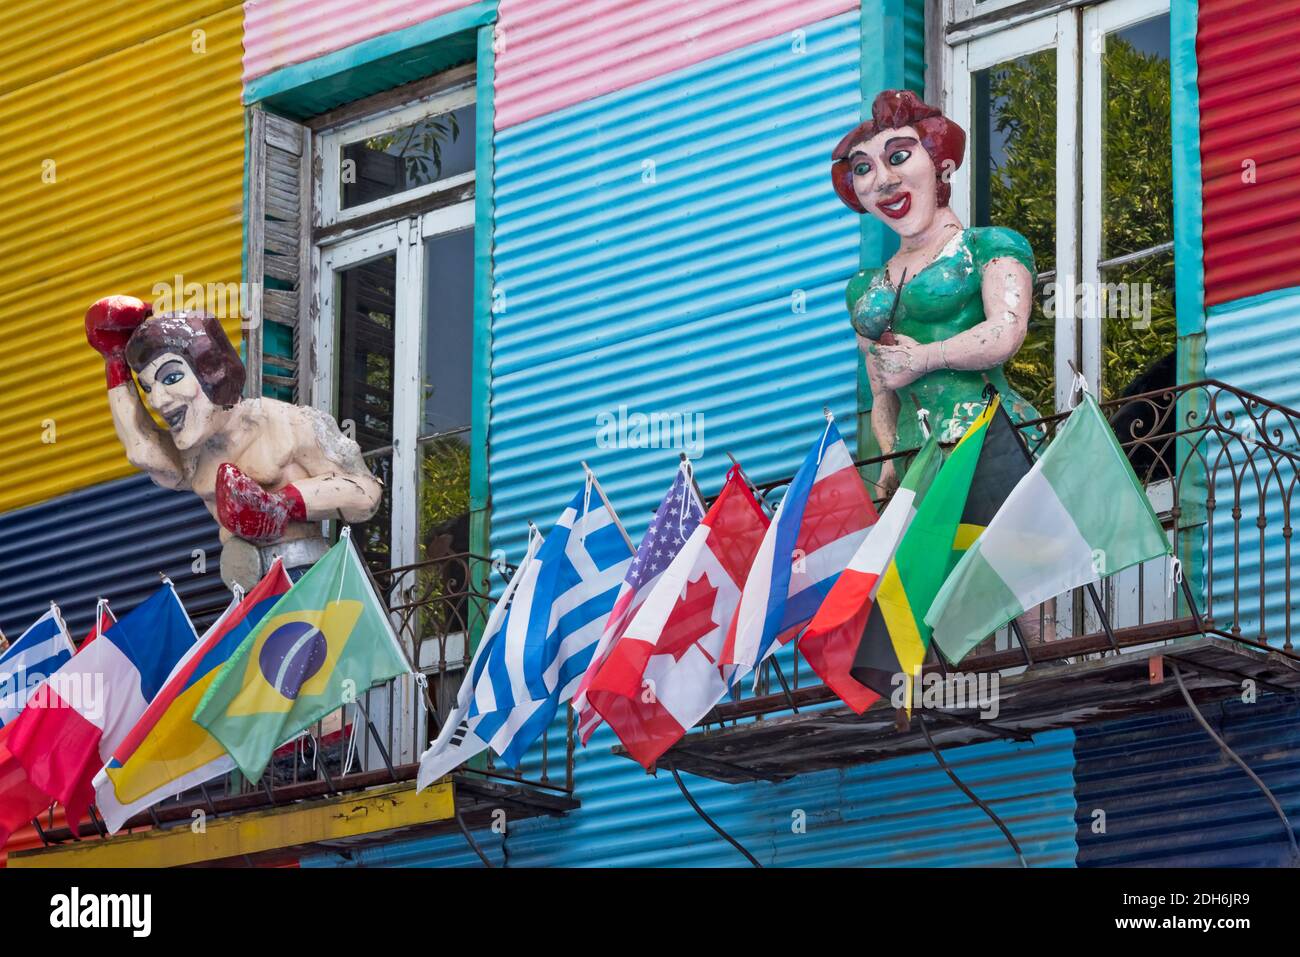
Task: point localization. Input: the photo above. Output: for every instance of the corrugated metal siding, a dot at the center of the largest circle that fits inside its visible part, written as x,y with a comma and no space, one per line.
280,32
109,541
147,138
1252,344
676,296
554,53
898,813
1250,111
1173,799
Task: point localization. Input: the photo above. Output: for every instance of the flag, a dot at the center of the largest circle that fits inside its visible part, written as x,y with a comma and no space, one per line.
323,644
455,743
1080,513
82,712
819,525
831,639
665,674
676,518
534,657
20,800
979,474
166,753
104,620
35,655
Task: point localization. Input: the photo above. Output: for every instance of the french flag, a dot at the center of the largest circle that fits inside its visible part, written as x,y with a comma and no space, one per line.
37,653
86,708
20,800
664,674
823,518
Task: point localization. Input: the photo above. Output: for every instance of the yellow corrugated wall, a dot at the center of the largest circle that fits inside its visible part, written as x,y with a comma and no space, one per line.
146,136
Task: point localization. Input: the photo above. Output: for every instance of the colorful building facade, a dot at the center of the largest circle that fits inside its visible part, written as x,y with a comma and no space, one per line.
641,222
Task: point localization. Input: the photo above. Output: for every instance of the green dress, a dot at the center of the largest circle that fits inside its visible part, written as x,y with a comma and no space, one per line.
942,300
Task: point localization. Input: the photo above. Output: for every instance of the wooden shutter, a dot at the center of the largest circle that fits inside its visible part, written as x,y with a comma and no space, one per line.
279,274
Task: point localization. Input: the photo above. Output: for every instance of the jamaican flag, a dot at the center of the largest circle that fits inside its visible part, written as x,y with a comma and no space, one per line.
984,467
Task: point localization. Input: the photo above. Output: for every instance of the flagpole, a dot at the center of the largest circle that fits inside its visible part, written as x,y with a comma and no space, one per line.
612,514
752,487
421,680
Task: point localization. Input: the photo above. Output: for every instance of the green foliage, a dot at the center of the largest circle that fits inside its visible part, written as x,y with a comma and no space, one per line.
1137,151
444,482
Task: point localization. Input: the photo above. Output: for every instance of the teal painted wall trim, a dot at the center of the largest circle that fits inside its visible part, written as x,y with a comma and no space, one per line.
1189,273
481,379
1189,267
893,56
314,86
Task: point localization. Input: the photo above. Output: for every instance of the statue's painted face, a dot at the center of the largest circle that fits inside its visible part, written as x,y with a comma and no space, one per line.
893,177
175,391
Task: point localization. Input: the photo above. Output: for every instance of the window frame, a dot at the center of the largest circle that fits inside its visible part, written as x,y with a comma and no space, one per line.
327,208
1072,28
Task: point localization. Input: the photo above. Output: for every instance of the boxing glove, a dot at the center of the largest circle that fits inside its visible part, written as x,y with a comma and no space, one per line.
109,324
253,513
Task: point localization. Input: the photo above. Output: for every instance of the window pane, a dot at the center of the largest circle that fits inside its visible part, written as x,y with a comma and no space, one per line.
365,378
376,535
365,372
1138,326
417,154
444,534
1013,152
1137,298
448,331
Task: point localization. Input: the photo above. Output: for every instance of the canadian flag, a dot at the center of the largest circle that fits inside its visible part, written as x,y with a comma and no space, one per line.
664,675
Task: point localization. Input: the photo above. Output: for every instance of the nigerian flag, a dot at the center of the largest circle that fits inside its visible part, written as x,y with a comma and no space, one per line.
1080,513
319,647
982,469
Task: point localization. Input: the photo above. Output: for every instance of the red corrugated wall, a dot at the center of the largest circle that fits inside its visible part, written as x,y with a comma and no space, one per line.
1248,55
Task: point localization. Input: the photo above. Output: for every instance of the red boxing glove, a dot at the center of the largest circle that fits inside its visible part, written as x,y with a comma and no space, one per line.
253,513
109,324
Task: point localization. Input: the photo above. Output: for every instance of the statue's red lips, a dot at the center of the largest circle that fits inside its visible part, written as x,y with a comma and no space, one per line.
899,209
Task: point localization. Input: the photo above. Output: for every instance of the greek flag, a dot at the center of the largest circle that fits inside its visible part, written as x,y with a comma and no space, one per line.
33,657
539,638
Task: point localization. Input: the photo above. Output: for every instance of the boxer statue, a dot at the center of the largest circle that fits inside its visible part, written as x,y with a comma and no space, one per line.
270,472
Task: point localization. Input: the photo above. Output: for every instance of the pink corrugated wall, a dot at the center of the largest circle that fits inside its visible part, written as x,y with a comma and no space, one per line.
554,53
550,53
280,32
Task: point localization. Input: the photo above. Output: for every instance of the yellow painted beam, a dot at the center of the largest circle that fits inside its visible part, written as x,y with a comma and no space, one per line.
255,832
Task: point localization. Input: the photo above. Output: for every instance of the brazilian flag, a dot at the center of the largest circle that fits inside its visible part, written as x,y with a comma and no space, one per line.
979,474
319,647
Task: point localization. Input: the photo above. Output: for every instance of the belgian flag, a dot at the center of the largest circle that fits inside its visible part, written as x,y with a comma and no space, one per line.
987,462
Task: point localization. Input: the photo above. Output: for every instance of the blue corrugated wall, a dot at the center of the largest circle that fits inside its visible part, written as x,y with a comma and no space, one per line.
1252,344
676,247
1172,798
107,541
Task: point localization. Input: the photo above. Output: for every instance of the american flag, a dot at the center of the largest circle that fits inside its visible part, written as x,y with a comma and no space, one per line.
674,521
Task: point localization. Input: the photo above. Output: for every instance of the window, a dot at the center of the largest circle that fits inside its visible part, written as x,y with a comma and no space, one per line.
394,246
1068,111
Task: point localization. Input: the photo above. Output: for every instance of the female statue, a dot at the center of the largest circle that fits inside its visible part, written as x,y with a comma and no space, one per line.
269,471
966,294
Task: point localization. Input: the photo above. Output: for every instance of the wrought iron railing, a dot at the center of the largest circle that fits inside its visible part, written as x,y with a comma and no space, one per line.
1220,465
437,606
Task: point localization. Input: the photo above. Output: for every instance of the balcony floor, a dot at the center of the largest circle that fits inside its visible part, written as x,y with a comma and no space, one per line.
1042,698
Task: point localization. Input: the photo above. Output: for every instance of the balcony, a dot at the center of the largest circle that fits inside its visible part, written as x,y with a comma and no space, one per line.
1221,467
350,782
